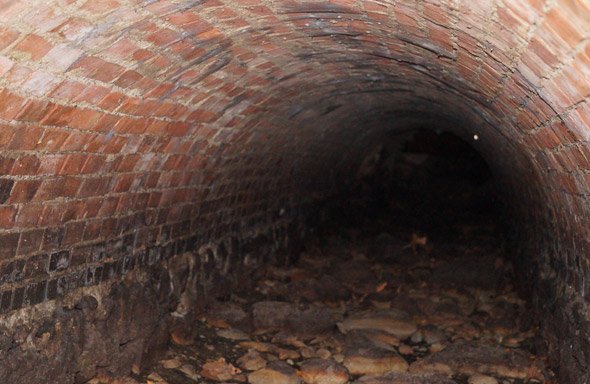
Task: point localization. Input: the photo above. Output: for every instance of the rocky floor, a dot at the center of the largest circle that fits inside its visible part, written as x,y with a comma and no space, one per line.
368,308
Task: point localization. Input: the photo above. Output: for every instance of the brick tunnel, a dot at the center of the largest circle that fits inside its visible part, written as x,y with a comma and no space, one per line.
154,152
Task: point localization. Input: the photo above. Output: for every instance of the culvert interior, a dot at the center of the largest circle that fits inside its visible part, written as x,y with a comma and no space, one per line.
156,154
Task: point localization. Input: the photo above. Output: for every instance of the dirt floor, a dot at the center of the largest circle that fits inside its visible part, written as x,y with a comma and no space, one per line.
368,308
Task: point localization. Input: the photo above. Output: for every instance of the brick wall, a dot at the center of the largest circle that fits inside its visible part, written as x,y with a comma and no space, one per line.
132,131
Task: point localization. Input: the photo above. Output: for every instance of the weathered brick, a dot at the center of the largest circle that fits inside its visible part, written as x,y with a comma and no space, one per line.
30,242
9,243
34,45
23,191
59,260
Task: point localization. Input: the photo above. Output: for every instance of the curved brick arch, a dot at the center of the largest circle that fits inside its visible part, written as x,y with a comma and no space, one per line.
132,131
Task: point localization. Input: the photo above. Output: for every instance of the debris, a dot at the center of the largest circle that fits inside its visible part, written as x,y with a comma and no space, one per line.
171,363
481,379
274,373
381,287
391,321
189,371
233,334
252,361
154,378
471,357
179,336
405,378
418,242
320,371
219,370
348,311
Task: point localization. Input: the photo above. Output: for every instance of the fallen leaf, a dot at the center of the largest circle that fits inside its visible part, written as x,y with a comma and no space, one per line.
171,363
217,323
418,240
219,370
189,371
180,337
154,378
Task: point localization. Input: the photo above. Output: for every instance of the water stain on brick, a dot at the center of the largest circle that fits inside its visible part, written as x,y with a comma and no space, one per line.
5,189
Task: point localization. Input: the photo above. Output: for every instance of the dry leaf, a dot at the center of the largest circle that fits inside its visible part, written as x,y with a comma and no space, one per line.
418,240
171,363
217,323
154,378
189,371
181,337
219,370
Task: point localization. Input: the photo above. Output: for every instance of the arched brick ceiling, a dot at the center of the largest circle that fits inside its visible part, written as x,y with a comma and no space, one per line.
135,102
124,87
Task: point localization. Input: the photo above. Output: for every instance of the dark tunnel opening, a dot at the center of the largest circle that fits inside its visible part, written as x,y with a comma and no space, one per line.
425,181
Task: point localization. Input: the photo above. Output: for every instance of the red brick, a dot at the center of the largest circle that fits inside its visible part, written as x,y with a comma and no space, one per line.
115,144
124,49
99,7
105,123
108,207
51,189
128,78
127,163
7,36
68,90
94,164
87,119
73,29
18,74
26,165
70,211
164,37
6,65
51,215
51,164
39,83
30,242
92,230
74,233
94,187
6,164
11,105
76,141
28,215
9,243
23,191
123,183
7,215
98,69
33,110
112,101
177,129
34,45
62,57
92,94
73,164
142,55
